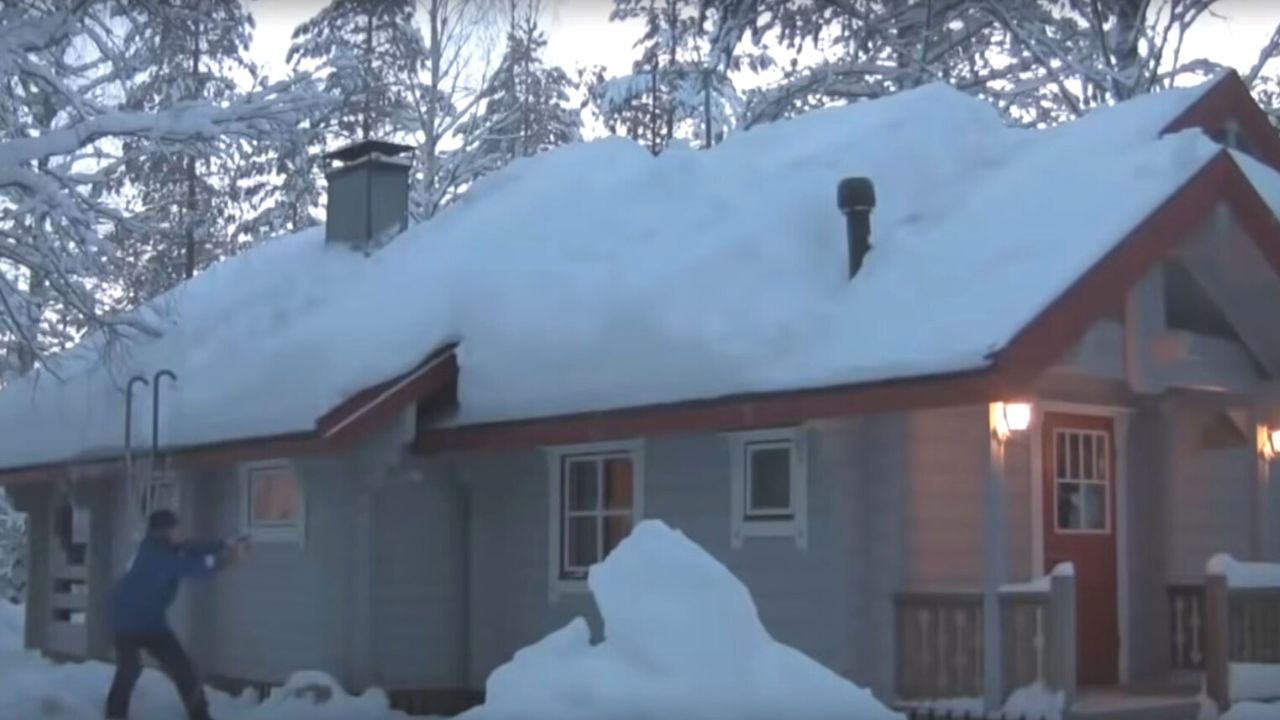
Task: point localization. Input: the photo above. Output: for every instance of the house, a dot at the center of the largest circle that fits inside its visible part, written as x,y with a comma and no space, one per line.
1054,346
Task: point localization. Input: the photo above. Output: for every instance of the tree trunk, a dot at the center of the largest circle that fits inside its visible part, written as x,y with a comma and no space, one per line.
189,267
366,122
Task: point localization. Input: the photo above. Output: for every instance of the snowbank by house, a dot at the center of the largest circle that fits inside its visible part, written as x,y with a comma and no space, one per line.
32,687
682,639
691,275
1034,702
1254,681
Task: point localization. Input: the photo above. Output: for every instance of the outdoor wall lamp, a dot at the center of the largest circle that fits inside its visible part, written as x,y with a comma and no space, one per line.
1268,442
1008,418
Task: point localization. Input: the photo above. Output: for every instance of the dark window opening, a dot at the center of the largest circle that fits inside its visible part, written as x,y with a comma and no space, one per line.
1187,305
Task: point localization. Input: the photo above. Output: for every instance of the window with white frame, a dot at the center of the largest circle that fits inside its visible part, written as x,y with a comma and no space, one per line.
769,485
1082,492
596,500
159,493
272,506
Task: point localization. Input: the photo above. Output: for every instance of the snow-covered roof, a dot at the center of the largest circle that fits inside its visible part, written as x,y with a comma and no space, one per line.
597,276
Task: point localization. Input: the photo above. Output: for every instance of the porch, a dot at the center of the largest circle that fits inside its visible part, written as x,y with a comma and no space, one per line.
968,648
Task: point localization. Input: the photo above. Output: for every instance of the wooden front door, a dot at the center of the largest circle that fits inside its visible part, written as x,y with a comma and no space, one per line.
1080,527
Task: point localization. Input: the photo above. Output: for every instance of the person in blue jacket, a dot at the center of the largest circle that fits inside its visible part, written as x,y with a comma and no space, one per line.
140,601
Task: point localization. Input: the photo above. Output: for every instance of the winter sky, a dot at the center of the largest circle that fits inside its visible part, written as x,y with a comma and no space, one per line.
580,34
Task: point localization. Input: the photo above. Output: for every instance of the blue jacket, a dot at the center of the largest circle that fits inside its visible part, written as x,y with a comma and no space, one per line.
143,595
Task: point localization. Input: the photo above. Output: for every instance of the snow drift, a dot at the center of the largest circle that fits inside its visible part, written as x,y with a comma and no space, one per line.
682,639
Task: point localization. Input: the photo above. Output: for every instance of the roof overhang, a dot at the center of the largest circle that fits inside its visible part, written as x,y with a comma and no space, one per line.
362,413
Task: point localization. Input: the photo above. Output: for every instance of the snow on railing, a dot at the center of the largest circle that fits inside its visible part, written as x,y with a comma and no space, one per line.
1242,631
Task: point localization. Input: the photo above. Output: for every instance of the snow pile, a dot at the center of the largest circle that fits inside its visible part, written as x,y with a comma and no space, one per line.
1244,574
682,639
12,621
690,275
32,687
1035,701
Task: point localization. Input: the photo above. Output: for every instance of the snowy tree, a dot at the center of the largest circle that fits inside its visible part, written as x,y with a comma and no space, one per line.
64,136
369,56
282,193
845,51
1089,53
678,86
525,106
187,203
448,98
13,553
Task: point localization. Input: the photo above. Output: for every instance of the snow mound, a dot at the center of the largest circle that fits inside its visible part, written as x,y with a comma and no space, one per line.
12,621
682,639
1035,701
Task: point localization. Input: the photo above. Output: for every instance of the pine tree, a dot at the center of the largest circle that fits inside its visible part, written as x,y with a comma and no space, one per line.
525,104
369,57
187,203
680,86
282,191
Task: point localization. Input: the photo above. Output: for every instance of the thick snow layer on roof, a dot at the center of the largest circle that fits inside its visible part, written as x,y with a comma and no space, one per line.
682,639
597,276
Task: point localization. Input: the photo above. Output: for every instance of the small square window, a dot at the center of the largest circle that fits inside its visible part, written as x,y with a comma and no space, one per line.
273,507
769,482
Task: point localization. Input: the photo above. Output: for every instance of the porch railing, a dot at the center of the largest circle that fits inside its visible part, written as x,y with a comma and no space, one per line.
1186,626
1242,631
940,640
939,645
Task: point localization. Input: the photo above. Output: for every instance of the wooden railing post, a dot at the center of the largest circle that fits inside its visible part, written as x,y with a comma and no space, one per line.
1217,638
1061,651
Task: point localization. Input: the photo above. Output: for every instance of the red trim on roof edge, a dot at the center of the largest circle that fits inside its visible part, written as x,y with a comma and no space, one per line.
1230,99
1047,337
350,420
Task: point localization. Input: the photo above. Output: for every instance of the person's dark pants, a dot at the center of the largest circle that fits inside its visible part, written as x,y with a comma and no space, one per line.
164,648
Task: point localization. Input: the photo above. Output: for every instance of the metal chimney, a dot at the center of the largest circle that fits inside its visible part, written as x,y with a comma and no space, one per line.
856,197
368,199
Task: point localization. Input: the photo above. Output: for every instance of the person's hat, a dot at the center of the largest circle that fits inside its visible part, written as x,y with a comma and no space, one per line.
162,520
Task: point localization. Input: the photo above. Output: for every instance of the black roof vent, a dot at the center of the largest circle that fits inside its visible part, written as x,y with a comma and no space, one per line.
856,197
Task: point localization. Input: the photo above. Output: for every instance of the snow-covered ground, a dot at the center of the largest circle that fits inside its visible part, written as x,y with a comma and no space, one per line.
682,639
32,688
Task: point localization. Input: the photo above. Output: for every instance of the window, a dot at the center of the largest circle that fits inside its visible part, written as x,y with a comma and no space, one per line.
595,501
1082,498
161,493
768,497
273,507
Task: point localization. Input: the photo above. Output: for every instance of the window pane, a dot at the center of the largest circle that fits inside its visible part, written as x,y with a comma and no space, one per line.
770,478
1086,454
583,484
1101,449
617,483
616,527
1073,441
581,542
1060,454
275,498
1069,506
1095,507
